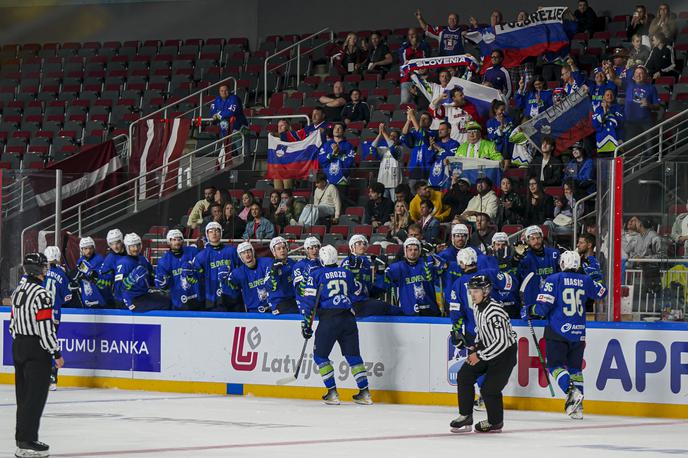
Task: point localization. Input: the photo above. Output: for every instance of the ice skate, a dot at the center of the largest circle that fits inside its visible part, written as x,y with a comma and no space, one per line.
485,427
578,413
479,404
332,397
32,449
574,398
363,397
462,424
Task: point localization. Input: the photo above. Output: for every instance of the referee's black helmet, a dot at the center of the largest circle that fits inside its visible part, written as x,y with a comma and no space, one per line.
35,264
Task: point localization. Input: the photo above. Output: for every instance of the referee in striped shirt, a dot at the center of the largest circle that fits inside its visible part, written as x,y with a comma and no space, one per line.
35,345
493,355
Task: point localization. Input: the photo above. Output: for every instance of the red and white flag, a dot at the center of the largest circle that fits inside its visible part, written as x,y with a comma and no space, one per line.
158,143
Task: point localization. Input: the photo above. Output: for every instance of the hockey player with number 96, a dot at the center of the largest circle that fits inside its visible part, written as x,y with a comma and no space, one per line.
561,302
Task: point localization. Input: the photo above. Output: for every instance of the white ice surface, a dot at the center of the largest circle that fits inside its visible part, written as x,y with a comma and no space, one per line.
114,423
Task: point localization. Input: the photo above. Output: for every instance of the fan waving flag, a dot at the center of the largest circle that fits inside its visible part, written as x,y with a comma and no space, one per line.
542,32
567,121
292,160
472,169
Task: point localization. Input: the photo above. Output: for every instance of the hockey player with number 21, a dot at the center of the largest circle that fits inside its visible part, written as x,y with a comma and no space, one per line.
562,303
336,323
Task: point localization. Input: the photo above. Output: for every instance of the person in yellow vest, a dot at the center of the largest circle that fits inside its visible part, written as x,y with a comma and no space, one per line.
477,147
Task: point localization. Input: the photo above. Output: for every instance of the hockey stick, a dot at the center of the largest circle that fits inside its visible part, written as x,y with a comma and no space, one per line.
532,334
295,375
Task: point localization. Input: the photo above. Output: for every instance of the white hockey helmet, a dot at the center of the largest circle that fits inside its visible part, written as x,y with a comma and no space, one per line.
174,234
245,246
459,229
533,230
500,237
213,225
569,260
52,254
411,241
311,242
86,242
355,239
276,241
114,235
467,256
328,255
132,239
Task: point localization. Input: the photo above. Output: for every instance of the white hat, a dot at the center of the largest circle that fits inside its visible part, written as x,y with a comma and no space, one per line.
132,239
114,235
467,256
500,237
328,255
459,229
245,246
533,230
86,242
569,260
174,234
213,225
311,242
276,241
411,241
52,254
355,239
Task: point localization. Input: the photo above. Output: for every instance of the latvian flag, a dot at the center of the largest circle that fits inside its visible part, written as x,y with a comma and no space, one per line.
292,160
158,142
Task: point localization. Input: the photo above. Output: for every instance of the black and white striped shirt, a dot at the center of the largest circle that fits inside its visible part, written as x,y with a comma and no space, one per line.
32,314
494,332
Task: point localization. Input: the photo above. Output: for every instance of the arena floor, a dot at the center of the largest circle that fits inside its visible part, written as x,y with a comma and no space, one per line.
114,423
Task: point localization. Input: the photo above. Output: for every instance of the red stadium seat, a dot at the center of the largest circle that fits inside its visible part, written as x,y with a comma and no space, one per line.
554,191
392,250
364,229
294,230
375,250
341,230
318,231
358,212
511,228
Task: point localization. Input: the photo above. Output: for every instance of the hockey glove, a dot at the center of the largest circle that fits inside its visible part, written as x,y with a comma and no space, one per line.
458,339
528,312
520,251
306,329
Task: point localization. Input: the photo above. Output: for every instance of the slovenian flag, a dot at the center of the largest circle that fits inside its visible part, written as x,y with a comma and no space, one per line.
542,32
472,169
292,160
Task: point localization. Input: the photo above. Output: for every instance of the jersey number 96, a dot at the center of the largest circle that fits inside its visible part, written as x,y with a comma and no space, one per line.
573,300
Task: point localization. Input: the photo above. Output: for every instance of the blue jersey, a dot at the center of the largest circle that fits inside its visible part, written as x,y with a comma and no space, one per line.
251,284
230,110
210,264
301,271
416,283
439,173
134,276
91,294
421,156
534,103
596,92
336,167
106,276
461,304
363,277
335,284
591,267
608,127
279,281
56,282
562,302
541,267
175,273
499,134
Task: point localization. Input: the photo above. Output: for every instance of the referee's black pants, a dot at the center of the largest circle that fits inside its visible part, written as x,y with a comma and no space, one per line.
497,372
32,366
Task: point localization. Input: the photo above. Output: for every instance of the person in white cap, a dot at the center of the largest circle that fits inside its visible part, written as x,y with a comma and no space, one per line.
56,282
415,276
175,274
535,264
303,268
213,263
503,253
86,275
279,279
358,263
248,280
106,273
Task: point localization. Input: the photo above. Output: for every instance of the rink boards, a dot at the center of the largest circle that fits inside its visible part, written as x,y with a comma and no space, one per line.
630,368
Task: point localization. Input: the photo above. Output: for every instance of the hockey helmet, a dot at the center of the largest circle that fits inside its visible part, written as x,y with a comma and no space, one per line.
467,257
355,239
86,242
569,260
213,225
52,254
276,241
311,242
174,234
328,255
245,246
35,264
114,235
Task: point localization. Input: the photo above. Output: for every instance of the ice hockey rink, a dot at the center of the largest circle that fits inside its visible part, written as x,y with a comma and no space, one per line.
116,423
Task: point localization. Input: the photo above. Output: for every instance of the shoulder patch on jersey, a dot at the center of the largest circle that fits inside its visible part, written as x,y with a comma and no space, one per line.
545,298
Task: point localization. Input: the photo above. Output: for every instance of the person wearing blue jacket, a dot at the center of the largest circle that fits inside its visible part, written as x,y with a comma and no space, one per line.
175,274
248,280
86,275
535,265
227,111
441,148
328,296
213,265
337,156
279,279
135,274
580,169
535,101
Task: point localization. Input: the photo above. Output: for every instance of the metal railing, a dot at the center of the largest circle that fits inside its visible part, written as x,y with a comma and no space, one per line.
656,291
144,191
297,56
575,214
164,110
653,144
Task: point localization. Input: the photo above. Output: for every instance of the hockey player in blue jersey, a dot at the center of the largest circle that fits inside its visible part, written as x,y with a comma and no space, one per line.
589,263
56,282
561,302
135,275
330,289
360,266
227,111
86,275
303,268
537,263
175,274
106,272
503,254
279,279
213,264
249,278
415,277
